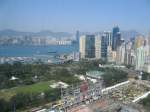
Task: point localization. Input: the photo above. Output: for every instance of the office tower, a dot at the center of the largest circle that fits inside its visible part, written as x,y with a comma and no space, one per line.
139,41
115,36
103,46
108,35
145,43
119,40
121,54
87,46
97,47
90,46
140,58
106,40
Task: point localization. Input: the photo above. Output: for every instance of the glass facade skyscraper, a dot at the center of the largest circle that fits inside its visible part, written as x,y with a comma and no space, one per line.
115,35
90,46
87,46
103,46
106,40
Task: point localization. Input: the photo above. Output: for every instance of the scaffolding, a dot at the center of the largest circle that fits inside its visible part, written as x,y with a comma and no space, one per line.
80,93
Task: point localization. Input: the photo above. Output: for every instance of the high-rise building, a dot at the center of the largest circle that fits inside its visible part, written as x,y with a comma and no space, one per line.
82,46
106,40
111,55
147,55
129,45
140,58
130,57
77,36
104,46
115,35
149,40
97,46
129,54
121,54
127,57
87,46
139,41
108,35
149,43
119,40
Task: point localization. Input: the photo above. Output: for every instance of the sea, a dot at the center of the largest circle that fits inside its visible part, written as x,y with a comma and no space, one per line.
27,51
30,54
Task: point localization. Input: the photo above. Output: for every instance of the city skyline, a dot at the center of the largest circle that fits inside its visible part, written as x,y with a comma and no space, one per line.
65,15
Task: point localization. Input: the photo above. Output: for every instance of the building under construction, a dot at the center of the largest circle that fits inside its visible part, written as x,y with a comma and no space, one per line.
80,93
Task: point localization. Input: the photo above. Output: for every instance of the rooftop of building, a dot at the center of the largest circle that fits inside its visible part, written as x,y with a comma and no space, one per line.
94,74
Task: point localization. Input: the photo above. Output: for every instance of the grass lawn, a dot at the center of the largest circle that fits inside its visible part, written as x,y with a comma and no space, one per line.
34,88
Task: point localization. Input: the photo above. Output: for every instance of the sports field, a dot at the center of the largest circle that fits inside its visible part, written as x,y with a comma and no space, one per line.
34,88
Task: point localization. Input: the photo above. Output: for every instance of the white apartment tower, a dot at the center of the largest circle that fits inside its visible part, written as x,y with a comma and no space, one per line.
98,47
82,46
121,54
140,58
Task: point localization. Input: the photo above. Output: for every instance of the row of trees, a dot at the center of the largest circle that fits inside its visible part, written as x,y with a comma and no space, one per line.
64,72
145,76
44,72
26,74
146,103
113,76
22,100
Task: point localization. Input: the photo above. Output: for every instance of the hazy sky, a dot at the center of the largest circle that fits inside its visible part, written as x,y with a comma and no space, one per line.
71,15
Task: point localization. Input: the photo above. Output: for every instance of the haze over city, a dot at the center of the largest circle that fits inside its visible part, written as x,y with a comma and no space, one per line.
72,15
74,55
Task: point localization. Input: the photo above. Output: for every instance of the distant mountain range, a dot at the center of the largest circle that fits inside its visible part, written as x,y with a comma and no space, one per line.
13,33
46,37
9,32
8,37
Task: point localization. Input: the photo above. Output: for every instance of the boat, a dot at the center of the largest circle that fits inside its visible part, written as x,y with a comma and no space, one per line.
52,52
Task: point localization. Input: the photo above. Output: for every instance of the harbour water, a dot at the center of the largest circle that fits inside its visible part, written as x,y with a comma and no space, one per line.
28,51
29,54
